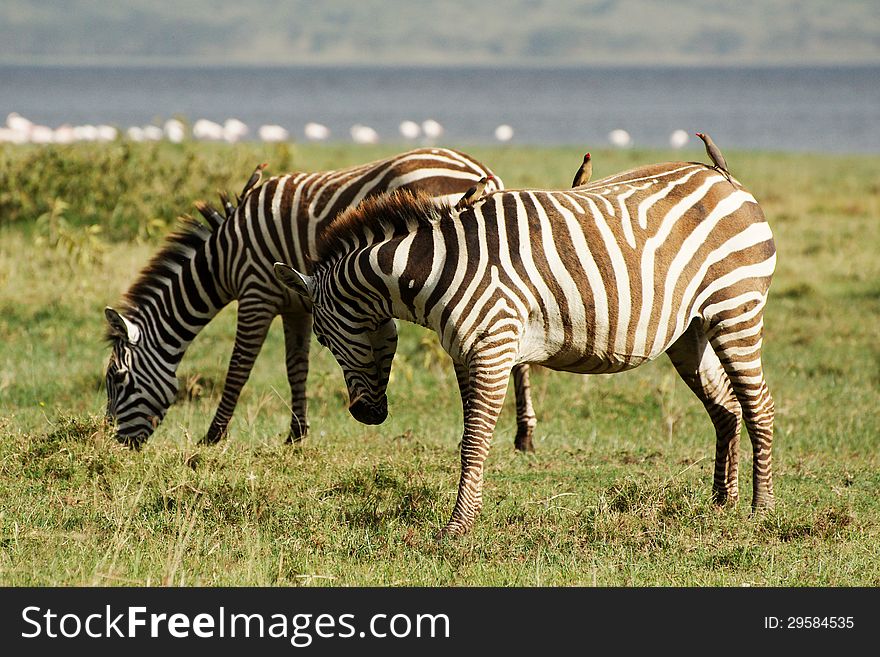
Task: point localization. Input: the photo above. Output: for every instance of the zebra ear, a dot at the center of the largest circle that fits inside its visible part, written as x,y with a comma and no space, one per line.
121,326
299,283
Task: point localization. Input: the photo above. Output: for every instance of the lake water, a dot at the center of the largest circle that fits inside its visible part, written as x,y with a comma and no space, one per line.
804,109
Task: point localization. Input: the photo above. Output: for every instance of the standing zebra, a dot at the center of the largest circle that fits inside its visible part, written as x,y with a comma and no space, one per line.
665,258
202,268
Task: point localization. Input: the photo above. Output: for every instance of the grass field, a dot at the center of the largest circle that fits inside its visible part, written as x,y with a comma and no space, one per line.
618,492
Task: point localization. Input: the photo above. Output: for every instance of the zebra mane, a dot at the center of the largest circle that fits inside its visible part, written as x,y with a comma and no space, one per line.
384,216
178,249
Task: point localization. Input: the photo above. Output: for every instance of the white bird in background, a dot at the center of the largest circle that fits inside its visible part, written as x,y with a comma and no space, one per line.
10,136
40,134
15,121
233,130
106,133
679,138
503,132
410,129
316,131
152,133
64,134
619,138
205,129
432,129
273,133
20,130
85,132
135,133
174,130
364,134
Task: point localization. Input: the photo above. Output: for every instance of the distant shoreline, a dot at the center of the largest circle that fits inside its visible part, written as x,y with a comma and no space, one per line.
513,65
785,108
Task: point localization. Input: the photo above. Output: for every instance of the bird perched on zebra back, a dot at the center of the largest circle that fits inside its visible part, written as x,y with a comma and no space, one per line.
254,179
714,154
474,194
582,177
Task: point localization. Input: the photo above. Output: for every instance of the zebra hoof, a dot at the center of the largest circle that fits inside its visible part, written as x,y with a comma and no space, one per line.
763,504
213,436
444,535
523,442
450,531
723,499
133,443
296,434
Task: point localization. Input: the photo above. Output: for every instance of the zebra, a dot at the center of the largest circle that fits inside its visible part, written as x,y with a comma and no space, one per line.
203,267
668,257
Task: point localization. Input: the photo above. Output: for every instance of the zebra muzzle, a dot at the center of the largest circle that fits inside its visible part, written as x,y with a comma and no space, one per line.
368,413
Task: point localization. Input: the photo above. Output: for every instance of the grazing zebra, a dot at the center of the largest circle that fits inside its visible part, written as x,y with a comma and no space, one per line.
664,258
202,268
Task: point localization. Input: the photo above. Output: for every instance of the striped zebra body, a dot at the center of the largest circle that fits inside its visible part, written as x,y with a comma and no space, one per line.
202,268
668,258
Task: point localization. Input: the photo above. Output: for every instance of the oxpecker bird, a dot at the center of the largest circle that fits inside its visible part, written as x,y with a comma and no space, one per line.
714,154
472,195
582,177
254,179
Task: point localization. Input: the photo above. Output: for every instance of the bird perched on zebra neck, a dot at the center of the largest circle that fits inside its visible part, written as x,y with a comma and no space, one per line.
473,194
582,177
254,179
714,154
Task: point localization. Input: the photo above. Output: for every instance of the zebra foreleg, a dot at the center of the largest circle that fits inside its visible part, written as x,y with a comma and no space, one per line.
482,399
525,414
250,333
700,369
297,331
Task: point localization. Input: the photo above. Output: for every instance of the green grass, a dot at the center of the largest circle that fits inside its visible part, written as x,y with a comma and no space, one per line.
618,492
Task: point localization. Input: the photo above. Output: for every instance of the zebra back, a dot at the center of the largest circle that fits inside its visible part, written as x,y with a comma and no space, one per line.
293,211
622,264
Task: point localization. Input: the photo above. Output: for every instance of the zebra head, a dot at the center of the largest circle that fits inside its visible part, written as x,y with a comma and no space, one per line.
362,341
139,389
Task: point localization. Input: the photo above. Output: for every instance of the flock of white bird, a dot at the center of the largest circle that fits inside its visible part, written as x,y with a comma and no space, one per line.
20,130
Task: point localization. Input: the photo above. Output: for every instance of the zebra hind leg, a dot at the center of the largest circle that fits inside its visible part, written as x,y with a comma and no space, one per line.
297,332
699,367
250,333
525,413
738,346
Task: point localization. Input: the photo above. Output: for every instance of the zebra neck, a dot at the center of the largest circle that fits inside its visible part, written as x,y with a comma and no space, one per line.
180,299
400,280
